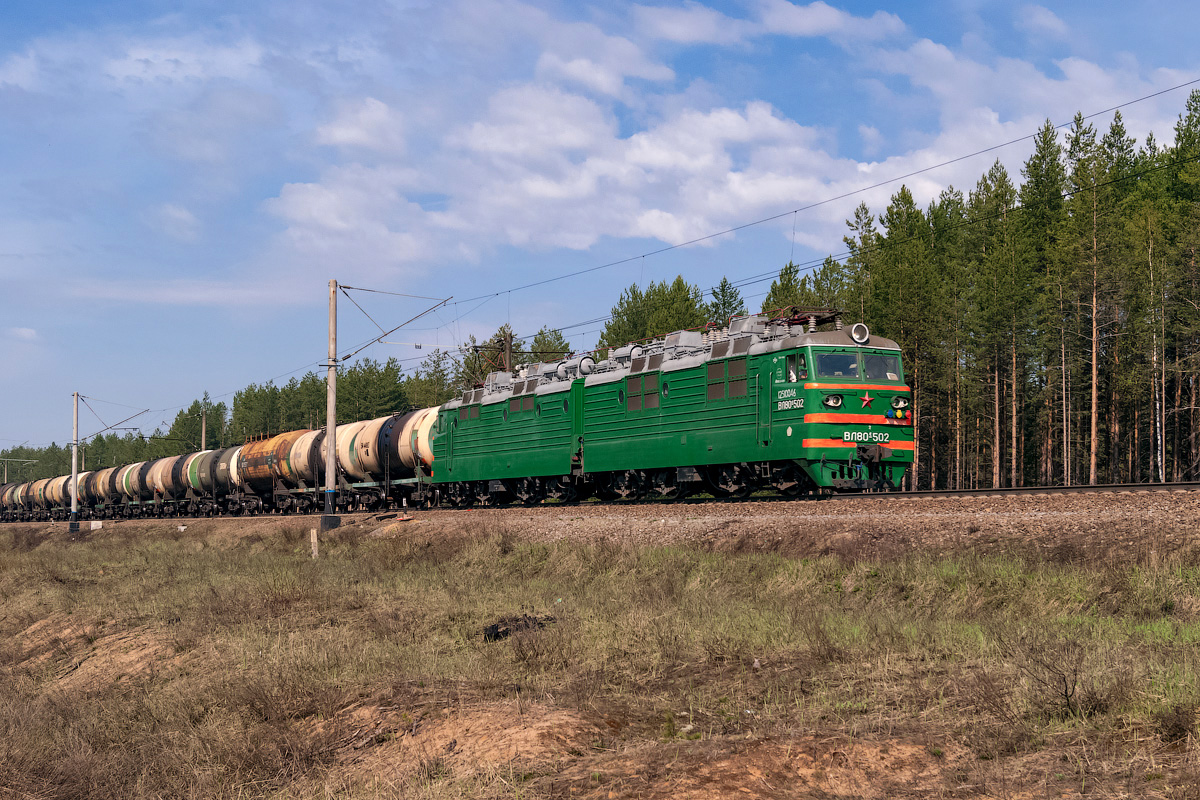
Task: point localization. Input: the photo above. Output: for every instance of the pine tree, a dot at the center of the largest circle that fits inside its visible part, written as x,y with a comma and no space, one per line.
659,310
433,381
726,303
548,345
785,290
863,245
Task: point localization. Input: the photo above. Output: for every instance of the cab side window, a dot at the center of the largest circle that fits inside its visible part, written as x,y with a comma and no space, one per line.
797,368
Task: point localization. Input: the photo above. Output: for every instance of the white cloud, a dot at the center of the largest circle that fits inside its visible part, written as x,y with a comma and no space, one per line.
582,71
698,24
369,124
537,122
1039,21
872,139
22,334
20,71
176,222
578,52
820,19
183,59
189,292
209,128
535,132
692,23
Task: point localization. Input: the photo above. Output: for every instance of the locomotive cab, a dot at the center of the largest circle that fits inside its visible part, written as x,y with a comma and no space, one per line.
858,416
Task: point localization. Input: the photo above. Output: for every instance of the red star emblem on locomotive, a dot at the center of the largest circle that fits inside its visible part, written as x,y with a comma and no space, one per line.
866,398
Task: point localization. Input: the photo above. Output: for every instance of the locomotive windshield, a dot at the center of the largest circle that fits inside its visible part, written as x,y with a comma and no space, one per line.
879,367
858,364
837,365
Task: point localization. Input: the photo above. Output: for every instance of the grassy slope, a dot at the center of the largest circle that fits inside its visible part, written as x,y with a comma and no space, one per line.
191,666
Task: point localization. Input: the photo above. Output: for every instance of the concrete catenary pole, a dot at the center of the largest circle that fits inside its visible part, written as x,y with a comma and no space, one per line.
74,524
204,426
328,520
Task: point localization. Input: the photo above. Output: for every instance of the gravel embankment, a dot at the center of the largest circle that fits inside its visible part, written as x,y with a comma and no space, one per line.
1141,527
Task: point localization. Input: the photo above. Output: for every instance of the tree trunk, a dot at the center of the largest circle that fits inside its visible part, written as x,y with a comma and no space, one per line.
1047,474
1093,448
1066,400
1012,421
1192,427
916,467
958,454
1176,473
1135,455
1162,397
1116,414
997,455
975,479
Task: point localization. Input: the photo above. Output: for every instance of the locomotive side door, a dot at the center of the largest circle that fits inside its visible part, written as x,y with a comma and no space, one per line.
576,403
764,391
451,422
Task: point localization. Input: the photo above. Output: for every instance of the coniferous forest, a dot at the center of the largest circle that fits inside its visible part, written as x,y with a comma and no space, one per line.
1050,323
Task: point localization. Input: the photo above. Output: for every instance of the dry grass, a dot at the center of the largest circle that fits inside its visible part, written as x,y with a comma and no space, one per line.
263,673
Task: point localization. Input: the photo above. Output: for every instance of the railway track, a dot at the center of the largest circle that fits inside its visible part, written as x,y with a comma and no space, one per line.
939,494
1182,487
1033,491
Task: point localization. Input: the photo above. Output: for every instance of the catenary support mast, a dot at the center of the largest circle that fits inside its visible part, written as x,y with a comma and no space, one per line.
329,520
74,523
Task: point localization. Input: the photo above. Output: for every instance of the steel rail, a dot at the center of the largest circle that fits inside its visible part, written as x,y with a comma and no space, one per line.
1019,491
939,494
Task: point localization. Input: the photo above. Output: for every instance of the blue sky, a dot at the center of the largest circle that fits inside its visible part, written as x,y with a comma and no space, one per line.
182,179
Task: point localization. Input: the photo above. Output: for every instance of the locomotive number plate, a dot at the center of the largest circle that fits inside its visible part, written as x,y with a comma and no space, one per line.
866,436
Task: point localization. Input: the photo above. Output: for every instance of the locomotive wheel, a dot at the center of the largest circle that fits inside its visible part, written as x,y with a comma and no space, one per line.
562,490
729,480
667,487
627,485
788,481
603,488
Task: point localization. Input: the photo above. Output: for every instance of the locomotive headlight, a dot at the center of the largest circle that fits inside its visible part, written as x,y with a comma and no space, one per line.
833,401
899,402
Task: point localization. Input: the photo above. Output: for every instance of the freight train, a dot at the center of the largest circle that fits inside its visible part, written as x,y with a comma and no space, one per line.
793,402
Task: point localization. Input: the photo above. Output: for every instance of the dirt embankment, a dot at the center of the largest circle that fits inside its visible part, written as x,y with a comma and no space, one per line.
1119,526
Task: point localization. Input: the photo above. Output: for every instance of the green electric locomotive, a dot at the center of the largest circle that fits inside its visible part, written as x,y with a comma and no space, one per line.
797,403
